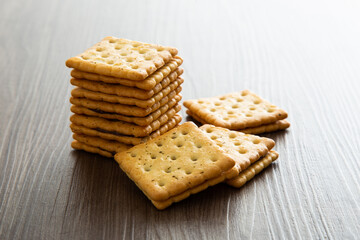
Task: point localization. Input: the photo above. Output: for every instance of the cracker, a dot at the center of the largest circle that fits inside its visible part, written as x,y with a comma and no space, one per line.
127,139
121,127
141,121
244,177
82,146
211,182
243,148
177,161
110,146
123,91
236,110
253,170
270,127
147,84
122,58
97,96
128,110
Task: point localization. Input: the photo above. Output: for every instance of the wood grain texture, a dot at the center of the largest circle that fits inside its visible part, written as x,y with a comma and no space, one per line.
301,55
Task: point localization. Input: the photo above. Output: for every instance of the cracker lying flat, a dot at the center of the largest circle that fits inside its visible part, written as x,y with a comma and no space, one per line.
236,110
253,170
82,146
112,147
128,110
97,96
244,177
124,91
141,121
208,183
147,84
270,127
122,58
124,138
177,161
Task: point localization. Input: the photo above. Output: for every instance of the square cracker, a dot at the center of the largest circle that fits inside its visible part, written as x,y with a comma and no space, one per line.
141,121
236,110
124,138
243,148
147,84
208,183
244,177
253,170
121,127
142,103
179,160
270,127
128,110
122,58
124,91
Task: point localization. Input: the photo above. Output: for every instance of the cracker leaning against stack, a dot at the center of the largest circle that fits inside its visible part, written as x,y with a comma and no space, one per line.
126,93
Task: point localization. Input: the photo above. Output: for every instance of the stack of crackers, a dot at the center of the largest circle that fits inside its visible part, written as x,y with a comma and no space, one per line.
126,93
242,111
188,159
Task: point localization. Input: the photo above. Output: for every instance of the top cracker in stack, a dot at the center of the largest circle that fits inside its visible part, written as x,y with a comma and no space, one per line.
122,58
126,93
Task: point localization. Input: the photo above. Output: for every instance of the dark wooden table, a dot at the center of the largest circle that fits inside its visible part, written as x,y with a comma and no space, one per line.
301,55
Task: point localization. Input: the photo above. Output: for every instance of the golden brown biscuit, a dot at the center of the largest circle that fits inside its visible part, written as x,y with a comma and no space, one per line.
122,58
175,162
141,121
98,96
124,138
235,110
147,84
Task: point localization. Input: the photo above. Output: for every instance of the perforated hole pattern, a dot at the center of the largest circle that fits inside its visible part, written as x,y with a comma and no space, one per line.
235,106
128,54
177,170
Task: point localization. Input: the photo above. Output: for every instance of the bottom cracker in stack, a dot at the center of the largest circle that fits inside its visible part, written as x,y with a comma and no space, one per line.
242,111
187,160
